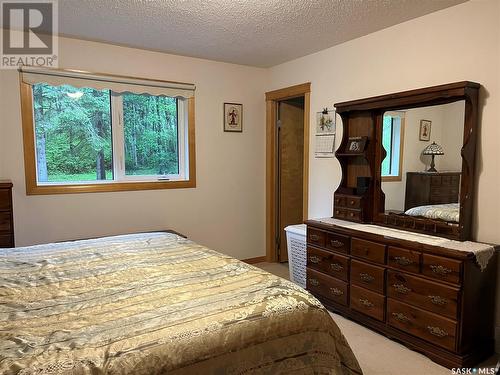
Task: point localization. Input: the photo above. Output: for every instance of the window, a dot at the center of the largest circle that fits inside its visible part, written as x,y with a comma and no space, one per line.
85,138
392,141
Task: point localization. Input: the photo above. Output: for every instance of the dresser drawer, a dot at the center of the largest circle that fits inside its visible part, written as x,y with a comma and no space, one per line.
339,201
5,222
5,204
425,294
327,262
354,215
368,250
352,201
368,276
6,240
404,259
442,268
428,326
338,242
326,286
316,237
367,302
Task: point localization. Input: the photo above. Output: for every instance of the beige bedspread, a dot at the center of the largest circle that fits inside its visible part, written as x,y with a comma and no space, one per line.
155,304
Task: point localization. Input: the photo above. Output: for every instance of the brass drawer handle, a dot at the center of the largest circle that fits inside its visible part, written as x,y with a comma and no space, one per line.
314,259
401,317
314,237
336,292
436,331
400,288
437,300
366,277
351,214
403,261
365,302
352,202
336,267
440,270
336,243
314,282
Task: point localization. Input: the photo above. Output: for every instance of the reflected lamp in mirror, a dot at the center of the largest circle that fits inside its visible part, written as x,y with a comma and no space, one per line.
433,149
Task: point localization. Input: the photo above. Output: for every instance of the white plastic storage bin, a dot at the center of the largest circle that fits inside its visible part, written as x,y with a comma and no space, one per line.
297,254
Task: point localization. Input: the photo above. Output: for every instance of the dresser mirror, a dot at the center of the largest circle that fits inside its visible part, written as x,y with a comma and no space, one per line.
423,163
415,170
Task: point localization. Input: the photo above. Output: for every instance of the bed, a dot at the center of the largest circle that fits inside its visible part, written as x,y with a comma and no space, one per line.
449,212
157,303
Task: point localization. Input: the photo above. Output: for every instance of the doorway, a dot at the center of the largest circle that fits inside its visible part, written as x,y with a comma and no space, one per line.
287,165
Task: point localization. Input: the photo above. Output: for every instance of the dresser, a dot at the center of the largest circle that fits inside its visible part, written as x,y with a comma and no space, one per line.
426,188
6,215
434,299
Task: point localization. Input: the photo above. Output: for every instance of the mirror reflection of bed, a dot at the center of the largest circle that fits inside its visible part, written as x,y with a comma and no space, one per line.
421,169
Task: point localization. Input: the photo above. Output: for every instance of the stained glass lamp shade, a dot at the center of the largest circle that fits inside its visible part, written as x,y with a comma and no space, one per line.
433,149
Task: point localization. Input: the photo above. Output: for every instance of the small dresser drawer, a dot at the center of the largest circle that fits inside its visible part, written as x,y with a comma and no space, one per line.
316,237
369,250
367,302
442,268
354,215
327,262
422,293
338,242
352,201
326,286
339,213
5,204
339,200
404,259
367,276
5,222
428,326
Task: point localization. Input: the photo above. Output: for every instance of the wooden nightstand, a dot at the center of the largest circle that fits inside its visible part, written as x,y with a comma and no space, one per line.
6,215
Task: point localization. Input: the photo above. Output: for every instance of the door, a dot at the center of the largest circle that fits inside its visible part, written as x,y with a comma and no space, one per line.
290,169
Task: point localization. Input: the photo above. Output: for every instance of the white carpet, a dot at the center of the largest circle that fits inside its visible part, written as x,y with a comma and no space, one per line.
376,354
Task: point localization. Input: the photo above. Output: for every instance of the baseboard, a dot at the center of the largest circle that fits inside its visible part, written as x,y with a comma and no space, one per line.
497,340
254,260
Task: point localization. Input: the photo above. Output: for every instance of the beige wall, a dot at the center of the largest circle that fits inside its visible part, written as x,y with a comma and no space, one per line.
226,211
455,44
446,130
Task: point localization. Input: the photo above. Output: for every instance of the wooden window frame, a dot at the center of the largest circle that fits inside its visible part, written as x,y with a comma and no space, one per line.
32,187
399,176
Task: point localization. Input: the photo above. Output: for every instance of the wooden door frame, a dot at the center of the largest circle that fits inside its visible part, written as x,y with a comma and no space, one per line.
272,98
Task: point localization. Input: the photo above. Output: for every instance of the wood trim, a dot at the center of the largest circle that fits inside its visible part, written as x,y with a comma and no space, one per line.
255,260
271,100
30,161
289,92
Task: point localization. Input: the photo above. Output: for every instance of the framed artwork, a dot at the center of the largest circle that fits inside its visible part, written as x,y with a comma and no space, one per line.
325,122
356,145
233,117
425,130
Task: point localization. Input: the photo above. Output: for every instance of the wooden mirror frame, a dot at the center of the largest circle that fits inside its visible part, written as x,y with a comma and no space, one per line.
375,108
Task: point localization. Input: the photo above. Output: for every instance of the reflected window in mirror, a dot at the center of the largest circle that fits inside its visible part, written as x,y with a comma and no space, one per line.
393,143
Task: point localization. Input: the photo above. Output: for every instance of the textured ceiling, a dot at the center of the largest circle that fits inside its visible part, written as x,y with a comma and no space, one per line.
251,32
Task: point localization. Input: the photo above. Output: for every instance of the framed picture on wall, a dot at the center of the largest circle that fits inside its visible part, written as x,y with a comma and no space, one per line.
425,130
233,117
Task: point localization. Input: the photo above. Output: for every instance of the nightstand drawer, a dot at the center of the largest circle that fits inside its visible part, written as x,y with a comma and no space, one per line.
368,276
5,204
326,286
329,263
